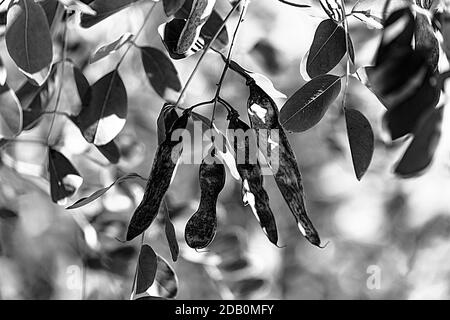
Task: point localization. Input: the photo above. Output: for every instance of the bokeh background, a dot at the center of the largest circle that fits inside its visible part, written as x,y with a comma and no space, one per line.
388,237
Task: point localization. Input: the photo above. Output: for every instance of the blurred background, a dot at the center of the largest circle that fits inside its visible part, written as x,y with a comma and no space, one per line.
388,238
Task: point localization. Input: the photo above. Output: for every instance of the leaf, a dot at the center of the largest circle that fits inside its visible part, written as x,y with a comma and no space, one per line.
110,151
361,139
308,105
83,86
97,194
104,9
420,152
327,50
425,39
166,281
11,119
172,6
78,6
28,39
146,270
64,178
103,119
30,101
112,47
161,73
170,232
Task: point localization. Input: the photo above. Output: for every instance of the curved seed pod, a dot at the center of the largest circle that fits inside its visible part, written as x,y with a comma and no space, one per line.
263,114
253,191
200,12
167,155
201,227
425,39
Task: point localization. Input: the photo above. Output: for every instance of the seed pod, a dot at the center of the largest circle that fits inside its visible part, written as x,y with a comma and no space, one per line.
253,191
201,227
425,39
200,12
263,114
167,155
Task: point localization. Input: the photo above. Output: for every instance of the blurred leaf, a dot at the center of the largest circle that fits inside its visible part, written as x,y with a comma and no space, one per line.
104,9
170,232
28,39
308,105
11,119
268,54
421,151
146,270
8,214
161,73
172,6
110,151
97,194
64,178
361,139
103,119
112,47
166,281
327,50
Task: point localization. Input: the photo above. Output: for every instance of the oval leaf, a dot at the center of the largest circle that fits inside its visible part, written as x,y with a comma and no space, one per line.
327,49
104,9
104,117
28,39
420,153
161,73
170,232
361,139
146,270
309,104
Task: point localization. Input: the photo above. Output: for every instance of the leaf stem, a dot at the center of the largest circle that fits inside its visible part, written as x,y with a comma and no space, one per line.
205,50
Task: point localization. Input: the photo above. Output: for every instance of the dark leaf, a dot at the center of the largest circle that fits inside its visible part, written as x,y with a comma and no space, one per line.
425,39
110,151
30,100
146,271
83,87
420,152
28,39
327,50
361,139
161,73
64,178
309,104
103,119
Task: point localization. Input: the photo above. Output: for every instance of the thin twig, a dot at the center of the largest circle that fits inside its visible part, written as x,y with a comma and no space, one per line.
205,50
347,71
227,62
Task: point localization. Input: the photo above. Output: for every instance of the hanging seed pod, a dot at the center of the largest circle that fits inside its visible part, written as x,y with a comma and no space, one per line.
253,191
263,114
201,227
167,155
200,12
